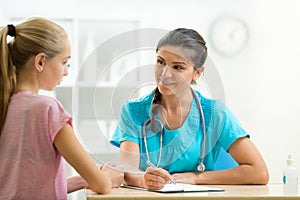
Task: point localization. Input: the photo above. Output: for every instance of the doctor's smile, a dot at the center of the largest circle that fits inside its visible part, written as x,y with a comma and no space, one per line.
165,83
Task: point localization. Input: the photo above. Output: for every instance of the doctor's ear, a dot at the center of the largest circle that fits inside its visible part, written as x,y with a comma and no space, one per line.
197,73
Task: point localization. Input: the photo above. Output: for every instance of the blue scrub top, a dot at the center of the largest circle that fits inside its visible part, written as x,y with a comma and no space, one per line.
181,147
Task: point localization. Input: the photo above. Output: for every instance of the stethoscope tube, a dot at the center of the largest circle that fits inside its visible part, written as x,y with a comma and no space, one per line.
201,166
160,139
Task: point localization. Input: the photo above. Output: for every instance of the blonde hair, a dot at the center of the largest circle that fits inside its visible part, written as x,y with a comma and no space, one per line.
33,36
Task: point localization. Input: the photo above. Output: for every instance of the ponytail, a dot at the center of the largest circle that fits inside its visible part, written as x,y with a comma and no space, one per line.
7,74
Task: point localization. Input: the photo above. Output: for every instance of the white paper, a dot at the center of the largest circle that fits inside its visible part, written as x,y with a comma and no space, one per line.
181,187
187,188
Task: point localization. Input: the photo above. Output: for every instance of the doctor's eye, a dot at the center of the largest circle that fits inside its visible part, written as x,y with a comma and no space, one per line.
160,62
177,67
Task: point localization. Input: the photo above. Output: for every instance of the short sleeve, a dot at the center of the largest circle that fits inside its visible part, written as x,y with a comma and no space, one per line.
227,125
57,118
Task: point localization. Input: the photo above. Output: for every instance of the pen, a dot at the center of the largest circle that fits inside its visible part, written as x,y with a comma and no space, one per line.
153,166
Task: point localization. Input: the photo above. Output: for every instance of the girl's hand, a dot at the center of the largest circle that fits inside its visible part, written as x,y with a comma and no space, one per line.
115,173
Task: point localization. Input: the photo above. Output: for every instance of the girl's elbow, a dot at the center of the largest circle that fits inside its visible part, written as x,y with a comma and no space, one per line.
105,190
102,188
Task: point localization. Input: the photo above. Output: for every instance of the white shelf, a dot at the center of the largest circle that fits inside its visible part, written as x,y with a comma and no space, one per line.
95,87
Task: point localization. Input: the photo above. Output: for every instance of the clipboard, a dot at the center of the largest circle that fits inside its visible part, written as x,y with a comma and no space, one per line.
179,187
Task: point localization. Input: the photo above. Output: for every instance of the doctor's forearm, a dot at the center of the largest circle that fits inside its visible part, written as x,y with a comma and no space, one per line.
243,174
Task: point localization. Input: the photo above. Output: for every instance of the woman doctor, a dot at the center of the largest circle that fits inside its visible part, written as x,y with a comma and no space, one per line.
173,138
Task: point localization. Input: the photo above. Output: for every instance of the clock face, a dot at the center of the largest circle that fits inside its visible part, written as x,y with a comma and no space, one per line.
229,35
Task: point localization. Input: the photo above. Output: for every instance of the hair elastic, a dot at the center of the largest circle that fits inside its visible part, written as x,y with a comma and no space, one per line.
11,30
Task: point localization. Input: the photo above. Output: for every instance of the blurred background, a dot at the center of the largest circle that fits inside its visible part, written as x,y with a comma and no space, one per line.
254,46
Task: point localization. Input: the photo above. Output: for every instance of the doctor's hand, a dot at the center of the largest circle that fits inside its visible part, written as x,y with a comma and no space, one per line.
116,174
156,178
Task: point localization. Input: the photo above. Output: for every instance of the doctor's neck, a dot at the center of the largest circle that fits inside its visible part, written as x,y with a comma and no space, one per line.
174,101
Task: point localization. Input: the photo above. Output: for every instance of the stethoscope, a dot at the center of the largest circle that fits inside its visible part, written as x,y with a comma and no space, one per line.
201,166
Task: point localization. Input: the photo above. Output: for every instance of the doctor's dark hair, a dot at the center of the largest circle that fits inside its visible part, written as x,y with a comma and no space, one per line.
191,43
33,36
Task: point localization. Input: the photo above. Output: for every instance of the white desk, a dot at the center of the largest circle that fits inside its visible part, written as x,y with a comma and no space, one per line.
245,192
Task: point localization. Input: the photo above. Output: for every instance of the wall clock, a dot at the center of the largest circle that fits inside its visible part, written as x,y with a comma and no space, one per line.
229,35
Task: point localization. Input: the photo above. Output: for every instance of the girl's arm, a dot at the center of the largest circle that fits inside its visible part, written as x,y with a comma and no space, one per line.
70,148
130,160
75,183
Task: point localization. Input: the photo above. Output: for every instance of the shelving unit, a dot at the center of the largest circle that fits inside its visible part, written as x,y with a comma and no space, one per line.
93,96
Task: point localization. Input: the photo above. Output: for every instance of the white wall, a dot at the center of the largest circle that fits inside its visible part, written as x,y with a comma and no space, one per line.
261,83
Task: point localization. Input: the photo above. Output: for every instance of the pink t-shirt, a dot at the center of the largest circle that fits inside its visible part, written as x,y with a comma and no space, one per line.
30,165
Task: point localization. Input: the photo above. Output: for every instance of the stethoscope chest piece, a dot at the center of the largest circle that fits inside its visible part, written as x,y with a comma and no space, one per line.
201,167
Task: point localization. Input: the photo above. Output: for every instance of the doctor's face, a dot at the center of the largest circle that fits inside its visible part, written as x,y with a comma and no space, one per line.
173,72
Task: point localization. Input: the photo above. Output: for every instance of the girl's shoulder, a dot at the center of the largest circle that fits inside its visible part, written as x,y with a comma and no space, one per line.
48,101
37,101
